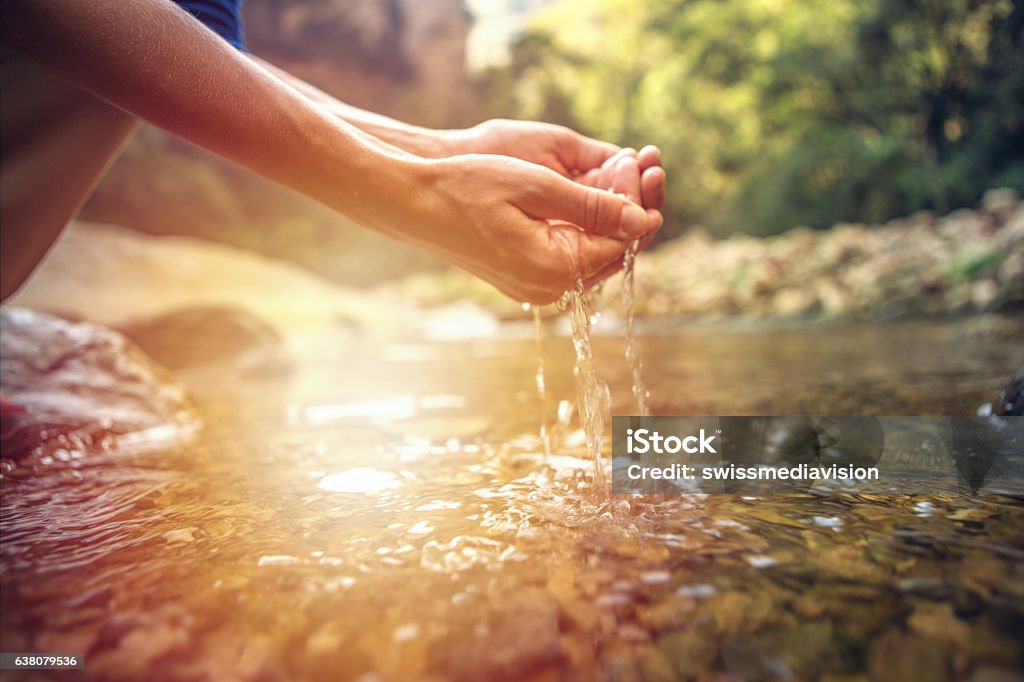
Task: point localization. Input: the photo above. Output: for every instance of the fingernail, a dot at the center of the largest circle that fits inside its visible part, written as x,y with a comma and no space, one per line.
634,220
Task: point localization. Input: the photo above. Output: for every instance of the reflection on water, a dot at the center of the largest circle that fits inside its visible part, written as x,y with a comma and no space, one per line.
360,480
542,391
394,517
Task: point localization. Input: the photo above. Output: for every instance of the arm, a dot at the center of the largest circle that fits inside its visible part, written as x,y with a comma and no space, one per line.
154,60
425,142
492,216
556,147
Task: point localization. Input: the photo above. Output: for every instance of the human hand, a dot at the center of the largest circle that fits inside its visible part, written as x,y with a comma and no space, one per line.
635,176
616,174
561,149
522,227
568,153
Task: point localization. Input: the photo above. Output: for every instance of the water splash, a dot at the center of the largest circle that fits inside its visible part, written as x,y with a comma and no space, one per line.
636,365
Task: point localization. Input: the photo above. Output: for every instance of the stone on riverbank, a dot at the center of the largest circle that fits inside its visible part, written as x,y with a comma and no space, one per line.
78,386
212,336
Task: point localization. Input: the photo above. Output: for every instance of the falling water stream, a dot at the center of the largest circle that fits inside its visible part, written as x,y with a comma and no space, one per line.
592,397
636,366
592,393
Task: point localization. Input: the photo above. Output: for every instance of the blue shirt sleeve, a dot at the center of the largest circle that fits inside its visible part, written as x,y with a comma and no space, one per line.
223,17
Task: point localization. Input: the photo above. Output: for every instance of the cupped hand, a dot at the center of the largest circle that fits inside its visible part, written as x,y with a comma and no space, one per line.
568,153
524,228
650,183
637,177
561,149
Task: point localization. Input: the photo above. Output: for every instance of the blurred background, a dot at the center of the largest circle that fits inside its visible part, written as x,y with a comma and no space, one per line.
772,115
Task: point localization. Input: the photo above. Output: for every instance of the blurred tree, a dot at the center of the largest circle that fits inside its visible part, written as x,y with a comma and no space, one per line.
775,113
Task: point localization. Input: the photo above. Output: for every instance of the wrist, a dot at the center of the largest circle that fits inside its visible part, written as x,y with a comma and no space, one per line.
423,142
454,142
381,189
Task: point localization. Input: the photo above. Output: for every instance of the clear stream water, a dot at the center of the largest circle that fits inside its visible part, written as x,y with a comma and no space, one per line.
636,365
390,514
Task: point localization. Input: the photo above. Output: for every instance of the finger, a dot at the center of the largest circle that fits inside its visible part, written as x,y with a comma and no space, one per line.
596,254
603,274
649,157
624,152
606,176
646,240
583,153
616,265
652,188
626,178
655,220
592,210
590,178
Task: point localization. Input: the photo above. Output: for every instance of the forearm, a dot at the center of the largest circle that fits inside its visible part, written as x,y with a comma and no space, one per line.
152,59
418,140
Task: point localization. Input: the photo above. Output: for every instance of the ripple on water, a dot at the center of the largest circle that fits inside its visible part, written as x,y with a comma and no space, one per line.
227,554
463,552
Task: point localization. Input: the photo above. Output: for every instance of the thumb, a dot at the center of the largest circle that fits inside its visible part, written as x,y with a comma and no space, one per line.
595,211
588,153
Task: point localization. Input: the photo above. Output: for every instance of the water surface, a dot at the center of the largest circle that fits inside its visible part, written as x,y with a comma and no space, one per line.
389,513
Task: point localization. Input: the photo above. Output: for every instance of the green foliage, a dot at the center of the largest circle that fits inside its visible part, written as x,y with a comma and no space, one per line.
776,113
978,265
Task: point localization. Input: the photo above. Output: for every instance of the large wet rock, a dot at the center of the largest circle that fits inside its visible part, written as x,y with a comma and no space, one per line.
75,386
119,277
205,337
1010,402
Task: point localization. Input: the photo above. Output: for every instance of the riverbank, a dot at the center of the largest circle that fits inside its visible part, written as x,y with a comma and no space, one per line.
965,262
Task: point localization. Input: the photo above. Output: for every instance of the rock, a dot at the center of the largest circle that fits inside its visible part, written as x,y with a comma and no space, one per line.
212,335
801,653
75,385
984,293
689,650
117,277
999,203
1010,401
937,622
808,608
735,614
496,648
897,657
849,563
671,614
923,586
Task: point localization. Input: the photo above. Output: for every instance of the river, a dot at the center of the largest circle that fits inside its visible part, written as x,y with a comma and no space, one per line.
388,512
